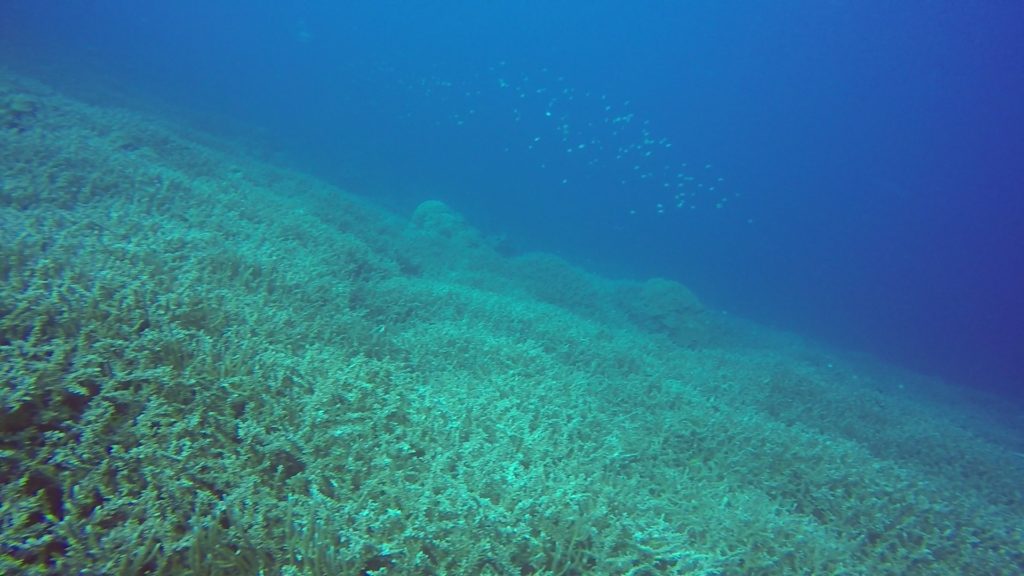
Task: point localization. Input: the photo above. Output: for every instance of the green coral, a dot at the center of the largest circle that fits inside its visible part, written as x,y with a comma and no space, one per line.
211,366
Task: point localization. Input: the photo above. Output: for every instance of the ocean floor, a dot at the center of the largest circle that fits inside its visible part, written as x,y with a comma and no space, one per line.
215,366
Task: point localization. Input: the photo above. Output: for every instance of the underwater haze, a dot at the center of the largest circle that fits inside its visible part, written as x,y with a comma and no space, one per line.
690,288
847,170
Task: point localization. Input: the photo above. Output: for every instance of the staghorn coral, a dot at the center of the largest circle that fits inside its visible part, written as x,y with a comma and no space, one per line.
211,366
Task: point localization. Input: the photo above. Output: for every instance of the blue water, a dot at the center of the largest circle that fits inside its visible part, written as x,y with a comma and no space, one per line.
848,170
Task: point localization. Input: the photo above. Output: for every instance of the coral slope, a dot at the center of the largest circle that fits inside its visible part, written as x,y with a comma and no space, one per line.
212,366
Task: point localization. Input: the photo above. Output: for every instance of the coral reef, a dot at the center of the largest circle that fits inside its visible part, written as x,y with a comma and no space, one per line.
213,366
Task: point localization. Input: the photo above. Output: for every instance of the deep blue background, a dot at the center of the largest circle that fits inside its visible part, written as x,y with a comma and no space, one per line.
871,154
